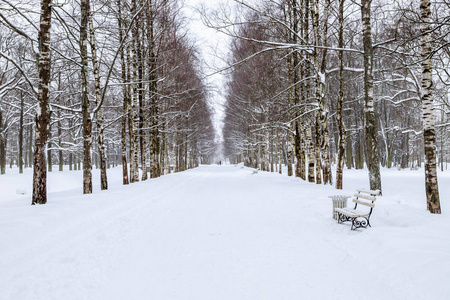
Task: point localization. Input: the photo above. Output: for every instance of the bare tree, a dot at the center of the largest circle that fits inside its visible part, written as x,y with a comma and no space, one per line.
43,116
372,159
342,135
85,107
125,95
98,114
429,133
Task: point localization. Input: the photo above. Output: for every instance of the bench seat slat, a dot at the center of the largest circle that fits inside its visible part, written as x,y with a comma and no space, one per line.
370,198
364,203
351,212
371,192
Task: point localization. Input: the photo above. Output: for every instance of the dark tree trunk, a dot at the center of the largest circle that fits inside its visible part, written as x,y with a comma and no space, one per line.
49,151
2,145
154,142
72,153
20,158
371,131
25,153
126,96
295,89
43,117
323,111
30,146
87,122
130,116
340,121
60,152
349,153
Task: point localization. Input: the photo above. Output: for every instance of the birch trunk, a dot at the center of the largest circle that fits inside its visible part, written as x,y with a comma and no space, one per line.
154,143
87,122
290,138
340,100
49,151
271,157
295,88
349,153
30,146
25,154
322,113
60,145
308,134
317,90
99,114
166,155
141,101
134,98
262,154
2,145
311,156
289,154
280,159
300,132
130,113
371,134
59,126
176,150
20,134
163,149
318,158
126,99
71,153
185,148
43,115
278,153
429,133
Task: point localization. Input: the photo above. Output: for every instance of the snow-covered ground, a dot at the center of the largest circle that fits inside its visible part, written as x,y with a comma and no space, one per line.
219,232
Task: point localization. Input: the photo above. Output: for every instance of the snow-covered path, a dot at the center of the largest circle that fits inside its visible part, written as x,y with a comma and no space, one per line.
216,232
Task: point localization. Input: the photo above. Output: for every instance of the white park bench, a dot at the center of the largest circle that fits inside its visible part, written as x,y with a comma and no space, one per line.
359,216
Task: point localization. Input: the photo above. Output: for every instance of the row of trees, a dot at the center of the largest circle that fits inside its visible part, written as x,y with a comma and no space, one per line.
317,82
117,81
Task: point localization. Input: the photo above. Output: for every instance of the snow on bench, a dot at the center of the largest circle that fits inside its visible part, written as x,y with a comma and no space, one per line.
255,171
359,216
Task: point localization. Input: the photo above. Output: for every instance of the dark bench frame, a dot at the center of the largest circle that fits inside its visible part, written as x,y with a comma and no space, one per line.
359,218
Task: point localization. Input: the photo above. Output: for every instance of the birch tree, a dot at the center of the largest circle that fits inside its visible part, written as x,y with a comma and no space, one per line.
371,131
85,106
429,133
154,142
43,115
134,116
342,134
97,113
125,95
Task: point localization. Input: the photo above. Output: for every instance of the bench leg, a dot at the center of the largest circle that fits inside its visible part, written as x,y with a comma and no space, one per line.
359,222
362,223
343,218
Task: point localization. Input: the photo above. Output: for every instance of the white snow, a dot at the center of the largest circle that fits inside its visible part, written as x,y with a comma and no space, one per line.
219,232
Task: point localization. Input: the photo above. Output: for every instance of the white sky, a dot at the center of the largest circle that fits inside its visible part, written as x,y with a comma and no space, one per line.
210,44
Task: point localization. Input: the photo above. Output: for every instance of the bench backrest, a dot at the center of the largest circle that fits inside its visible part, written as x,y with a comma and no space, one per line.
366,197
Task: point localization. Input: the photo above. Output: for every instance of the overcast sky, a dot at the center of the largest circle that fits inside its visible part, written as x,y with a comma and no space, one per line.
211,44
